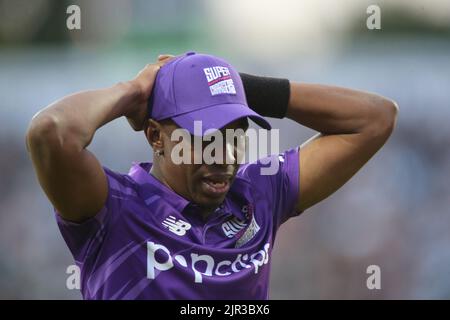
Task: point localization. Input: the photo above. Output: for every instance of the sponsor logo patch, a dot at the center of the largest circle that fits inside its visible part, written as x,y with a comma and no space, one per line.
219,80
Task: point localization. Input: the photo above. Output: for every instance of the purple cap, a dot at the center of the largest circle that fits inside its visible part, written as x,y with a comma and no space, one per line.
199,87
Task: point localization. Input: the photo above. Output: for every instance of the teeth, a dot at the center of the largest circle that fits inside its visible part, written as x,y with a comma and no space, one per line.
217,184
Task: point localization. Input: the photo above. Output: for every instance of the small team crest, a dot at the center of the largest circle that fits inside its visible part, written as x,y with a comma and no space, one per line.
234,226
248,235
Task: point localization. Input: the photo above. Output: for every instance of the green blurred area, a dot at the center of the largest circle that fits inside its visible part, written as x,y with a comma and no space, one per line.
137,23
133,24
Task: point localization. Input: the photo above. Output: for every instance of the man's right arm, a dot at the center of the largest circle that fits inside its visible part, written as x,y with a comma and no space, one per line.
72,178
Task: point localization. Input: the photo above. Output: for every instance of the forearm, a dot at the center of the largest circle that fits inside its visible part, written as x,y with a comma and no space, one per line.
78,116
335,110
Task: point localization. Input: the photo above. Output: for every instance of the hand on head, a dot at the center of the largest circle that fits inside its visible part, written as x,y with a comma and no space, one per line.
144,83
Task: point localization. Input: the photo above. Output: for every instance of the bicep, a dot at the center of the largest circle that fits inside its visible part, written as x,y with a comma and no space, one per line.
327,162
72,177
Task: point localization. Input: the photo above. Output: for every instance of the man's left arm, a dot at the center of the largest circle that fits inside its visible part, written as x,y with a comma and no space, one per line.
352,125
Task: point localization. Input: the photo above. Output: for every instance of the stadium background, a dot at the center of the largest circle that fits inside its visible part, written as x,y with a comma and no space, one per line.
394,213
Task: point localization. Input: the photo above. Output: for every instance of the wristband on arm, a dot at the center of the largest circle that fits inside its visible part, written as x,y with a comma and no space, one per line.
267,96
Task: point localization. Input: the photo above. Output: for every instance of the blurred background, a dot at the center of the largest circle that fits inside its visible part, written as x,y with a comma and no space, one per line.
395,213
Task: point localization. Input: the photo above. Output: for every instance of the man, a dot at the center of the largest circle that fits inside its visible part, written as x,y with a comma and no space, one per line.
194,230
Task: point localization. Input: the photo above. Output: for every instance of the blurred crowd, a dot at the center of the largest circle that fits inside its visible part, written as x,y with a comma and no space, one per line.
394,213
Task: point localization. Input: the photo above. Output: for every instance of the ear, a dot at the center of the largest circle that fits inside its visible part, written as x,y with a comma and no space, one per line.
153,132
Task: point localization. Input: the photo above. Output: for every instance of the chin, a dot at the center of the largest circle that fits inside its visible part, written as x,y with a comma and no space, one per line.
209,202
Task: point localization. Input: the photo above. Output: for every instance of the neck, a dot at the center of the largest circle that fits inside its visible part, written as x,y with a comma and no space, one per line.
205,213
156,172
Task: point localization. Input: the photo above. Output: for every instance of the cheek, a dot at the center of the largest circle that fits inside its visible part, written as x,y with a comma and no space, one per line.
193,177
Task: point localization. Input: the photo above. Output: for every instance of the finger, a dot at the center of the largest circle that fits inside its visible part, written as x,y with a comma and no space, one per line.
164,56
160,63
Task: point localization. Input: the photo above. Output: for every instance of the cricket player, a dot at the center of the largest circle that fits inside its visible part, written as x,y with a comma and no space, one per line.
195,230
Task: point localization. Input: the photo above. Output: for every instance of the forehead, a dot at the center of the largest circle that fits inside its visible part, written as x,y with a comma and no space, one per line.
237,124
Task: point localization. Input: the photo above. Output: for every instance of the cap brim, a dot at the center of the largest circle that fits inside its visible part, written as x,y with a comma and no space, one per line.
218,116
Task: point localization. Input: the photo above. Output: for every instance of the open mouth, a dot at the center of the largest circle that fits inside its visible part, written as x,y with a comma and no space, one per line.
216,184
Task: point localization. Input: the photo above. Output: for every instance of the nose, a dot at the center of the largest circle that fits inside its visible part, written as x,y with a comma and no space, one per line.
222,157
225,152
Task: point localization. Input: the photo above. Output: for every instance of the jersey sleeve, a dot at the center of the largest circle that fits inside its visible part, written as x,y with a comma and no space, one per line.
84,239
277,177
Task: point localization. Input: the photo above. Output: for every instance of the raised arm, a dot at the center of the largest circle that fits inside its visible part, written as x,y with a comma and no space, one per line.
352,125
70,175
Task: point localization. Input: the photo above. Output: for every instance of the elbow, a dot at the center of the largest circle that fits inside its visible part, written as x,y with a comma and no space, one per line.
42,130
383,117
389,120
48,132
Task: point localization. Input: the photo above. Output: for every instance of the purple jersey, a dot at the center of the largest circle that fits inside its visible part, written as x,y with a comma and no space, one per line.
148,242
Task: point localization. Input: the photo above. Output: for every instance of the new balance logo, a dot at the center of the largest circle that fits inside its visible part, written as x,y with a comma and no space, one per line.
179,227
